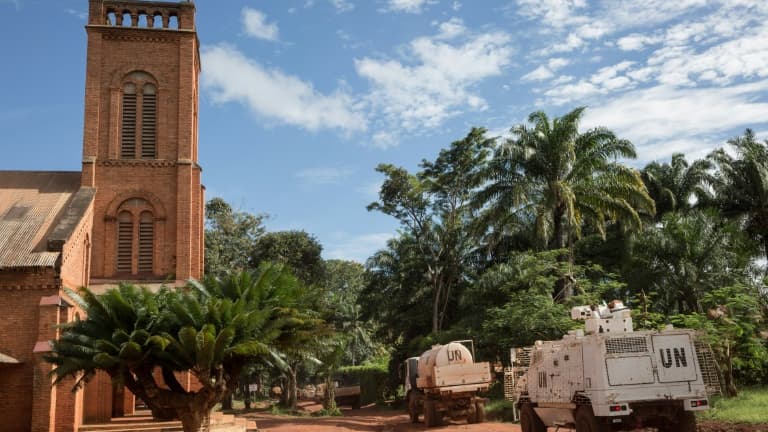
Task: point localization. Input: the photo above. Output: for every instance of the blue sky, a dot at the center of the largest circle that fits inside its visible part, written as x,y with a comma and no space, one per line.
301,99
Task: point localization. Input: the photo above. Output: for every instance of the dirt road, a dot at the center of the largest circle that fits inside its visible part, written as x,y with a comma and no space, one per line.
367,419
373,419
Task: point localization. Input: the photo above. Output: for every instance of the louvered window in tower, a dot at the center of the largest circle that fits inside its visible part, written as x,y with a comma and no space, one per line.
146,239
148,122
128,129
124,242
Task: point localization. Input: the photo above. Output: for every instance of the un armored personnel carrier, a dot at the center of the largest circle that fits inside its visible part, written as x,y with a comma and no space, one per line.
610,377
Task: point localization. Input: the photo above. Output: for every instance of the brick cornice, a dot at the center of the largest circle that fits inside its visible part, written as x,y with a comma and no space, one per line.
152,163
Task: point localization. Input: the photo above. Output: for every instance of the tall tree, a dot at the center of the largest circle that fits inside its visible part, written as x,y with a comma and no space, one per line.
298,250
564,179
742,184
433,206
686,256
230,237
677,185
211,329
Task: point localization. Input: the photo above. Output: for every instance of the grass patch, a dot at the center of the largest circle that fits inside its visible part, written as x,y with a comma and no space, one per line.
748,407
500,410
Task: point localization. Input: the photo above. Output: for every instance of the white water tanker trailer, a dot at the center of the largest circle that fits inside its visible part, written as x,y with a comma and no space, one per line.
444,382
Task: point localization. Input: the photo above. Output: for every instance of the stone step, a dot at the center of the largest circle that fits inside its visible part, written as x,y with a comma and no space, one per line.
219,423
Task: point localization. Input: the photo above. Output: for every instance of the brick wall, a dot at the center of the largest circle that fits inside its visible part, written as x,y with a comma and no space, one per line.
21,293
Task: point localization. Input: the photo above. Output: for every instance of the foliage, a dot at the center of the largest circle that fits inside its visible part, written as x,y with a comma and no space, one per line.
298,250
372,378
564,179
230,237
733,326
741,184
345,280
747,407
500,410
685,257
433,208
211,329
678,185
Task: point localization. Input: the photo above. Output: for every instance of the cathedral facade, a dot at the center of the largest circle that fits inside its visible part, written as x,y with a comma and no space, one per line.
133,213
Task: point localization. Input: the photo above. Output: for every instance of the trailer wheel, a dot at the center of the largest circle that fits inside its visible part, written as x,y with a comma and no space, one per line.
480,411
586,420
686,421
413,408
529,420
431,415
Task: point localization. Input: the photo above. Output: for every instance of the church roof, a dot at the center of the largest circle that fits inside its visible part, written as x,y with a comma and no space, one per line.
38,211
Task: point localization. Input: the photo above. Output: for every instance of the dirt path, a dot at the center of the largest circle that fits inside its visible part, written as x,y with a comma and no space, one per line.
374,419
366,419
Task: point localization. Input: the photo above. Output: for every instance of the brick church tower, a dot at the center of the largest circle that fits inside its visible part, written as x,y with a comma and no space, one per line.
140,141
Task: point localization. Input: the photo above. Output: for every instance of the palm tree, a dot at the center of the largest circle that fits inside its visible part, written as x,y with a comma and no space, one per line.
674,185
742,185
211,329
562,179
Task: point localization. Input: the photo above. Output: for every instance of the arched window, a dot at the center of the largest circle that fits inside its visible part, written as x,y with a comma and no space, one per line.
138,135
135,238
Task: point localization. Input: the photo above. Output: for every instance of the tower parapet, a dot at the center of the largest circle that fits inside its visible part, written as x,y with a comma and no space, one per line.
142,14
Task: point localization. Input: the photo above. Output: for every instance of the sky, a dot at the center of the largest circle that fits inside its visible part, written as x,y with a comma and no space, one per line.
301,99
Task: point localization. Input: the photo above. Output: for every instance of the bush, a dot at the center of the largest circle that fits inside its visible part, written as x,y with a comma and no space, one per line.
500,410
373,379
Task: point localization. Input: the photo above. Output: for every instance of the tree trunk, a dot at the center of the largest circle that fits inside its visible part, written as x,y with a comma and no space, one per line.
226,403
291,389
329,398
196,420
435,306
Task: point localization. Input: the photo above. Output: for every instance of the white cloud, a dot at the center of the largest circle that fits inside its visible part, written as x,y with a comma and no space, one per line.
452,28
355,248
662,120
408,6
255,24
342,5
637,41
229,76
541,73
555,13
440,82
323,176
456,5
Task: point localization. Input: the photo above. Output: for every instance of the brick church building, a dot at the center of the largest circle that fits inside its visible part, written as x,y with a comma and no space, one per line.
134,212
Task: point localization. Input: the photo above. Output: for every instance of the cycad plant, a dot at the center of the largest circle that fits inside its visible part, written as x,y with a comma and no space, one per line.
209,328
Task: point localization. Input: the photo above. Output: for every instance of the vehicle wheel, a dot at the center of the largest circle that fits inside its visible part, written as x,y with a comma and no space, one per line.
686,422
529,420
356,403
587,422
430,414
472,413
480,412
413,408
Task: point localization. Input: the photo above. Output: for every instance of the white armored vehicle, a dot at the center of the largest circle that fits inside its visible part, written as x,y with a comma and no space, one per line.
609,377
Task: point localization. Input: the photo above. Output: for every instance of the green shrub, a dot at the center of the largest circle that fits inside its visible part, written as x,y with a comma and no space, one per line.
373,379
500,410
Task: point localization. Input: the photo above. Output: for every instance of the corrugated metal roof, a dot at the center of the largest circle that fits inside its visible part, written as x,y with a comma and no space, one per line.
31,203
